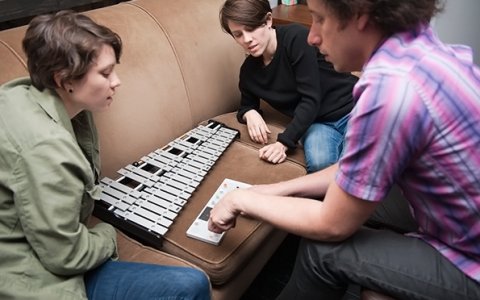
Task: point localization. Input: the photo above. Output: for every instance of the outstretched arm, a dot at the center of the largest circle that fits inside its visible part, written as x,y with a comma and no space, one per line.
335,218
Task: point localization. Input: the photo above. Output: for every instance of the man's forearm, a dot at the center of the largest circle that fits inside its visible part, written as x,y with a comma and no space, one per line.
313,185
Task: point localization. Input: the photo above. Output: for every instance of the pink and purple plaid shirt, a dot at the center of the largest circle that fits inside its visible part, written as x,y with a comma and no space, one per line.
417,123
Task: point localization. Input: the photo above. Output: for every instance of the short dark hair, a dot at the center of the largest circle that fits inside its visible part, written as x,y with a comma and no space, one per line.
66,43
390,16
251,13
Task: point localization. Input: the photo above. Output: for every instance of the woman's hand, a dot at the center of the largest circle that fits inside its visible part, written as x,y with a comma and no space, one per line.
274,153
257,128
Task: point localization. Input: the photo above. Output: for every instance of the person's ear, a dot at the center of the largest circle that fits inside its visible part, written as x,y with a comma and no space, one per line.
269,20
57,79
61,84
362,21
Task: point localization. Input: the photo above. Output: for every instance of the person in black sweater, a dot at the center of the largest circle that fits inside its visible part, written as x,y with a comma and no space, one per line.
294,78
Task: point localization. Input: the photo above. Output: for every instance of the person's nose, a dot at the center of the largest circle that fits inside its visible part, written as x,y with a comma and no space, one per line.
115,80
247,37
314,38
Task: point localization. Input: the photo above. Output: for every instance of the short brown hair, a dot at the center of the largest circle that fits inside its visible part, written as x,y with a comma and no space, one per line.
66,43
251,13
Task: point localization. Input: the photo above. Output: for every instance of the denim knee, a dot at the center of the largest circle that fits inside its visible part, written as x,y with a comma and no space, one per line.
314,165
323,145
196,285
146,281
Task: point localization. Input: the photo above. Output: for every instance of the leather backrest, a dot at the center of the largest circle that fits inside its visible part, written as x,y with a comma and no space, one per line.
178,68
209,58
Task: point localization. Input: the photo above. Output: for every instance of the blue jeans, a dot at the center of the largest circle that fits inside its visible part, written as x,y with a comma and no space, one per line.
323,143
129,280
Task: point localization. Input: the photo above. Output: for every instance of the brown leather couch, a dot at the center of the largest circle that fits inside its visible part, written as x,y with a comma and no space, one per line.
178,70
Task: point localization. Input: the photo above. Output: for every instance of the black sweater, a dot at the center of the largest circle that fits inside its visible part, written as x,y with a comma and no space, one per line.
298,82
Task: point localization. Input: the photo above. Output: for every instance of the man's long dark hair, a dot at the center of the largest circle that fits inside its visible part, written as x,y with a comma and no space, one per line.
390,16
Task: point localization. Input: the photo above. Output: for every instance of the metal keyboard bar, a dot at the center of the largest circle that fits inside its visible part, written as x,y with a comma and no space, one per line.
150,194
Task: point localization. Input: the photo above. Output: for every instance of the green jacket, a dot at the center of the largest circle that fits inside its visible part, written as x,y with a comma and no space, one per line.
49,168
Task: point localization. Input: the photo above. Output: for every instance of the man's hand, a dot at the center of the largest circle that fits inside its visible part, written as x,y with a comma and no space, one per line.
274,153
257,128
223,215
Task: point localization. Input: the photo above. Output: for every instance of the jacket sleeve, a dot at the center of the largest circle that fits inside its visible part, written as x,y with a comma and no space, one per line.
53,183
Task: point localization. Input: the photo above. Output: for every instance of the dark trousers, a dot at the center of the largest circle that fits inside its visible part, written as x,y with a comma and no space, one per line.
378,259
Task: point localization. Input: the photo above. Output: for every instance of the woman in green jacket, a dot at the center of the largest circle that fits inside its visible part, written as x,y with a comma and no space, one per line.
49,164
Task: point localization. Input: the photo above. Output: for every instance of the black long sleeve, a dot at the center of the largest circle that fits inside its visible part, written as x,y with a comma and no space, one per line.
298,82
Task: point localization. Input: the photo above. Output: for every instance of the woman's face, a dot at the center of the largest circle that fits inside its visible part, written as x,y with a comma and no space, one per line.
253,40
95,90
